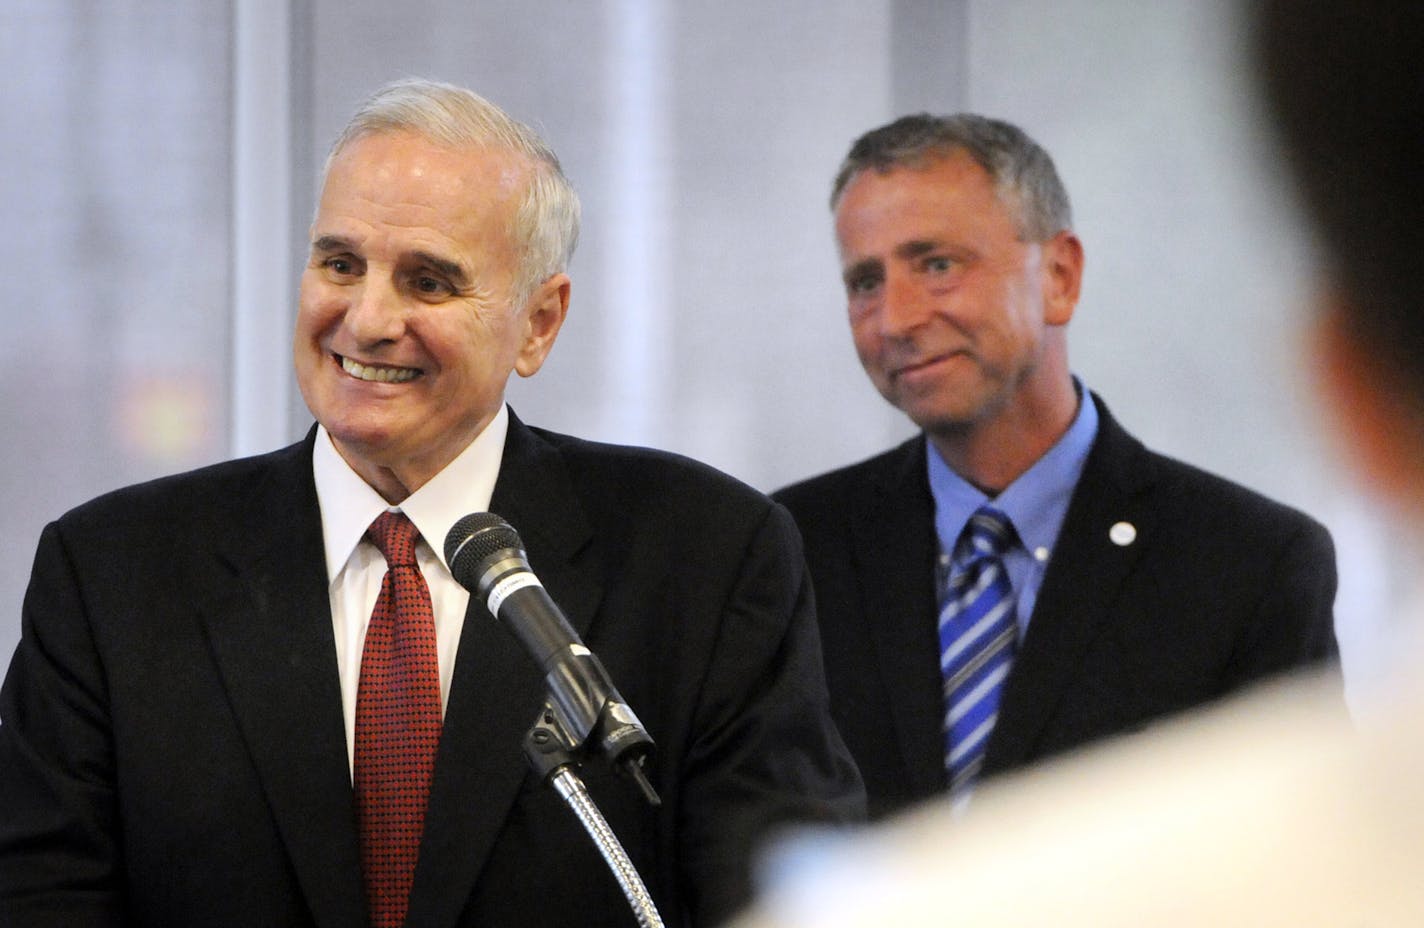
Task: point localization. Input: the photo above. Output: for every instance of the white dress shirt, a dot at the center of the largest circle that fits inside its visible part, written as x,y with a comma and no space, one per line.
355,567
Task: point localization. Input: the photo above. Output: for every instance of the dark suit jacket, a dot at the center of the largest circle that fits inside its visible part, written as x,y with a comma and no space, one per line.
173,751
1221,588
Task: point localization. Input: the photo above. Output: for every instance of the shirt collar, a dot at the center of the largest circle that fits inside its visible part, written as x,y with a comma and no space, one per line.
349,505
1036,502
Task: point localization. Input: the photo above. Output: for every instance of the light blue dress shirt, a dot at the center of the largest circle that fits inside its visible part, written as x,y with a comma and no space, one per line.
1036,503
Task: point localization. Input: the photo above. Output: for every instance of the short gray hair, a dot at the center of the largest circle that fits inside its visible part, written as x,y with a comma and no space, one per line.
546,223
1022,172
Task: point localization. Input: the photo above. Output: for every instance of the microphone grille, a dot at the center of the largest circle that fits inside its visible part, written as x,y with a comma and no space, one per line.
475,537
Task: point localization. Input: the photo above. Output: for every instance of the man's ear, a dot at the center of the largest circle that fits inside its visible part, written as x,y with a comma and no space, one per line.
1062,263
1372,409
547,308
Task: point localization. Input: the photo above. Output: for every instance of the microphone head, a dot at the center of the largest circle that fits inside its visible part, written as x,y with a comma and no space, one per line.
472,540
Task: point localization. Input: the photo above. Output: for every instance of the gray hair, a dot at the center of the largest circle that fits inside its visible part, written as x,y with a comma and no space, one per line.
546,223
1022,172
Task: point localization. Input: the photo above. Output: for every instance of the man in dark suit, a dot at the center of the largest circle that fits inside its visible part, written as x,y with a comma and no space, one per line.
189,719
1271,809
1135,586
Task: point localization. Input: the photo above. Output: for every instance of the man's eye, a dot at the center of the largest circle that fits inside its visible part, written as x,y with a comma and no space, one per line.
938,264
862,284
340,266
431,286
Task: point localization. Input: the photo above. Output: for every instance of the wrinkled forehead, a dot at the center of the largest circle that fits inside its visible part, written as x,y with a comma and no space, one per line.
392,196
923,184
1005,189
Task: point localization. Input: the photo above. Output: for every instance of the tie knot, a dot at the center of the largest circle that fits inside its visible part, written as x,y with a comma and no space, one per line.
989,533
395,535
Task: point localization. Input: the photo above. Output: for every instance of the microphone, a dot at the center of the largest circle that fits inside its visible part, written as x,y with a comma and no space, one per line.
487,557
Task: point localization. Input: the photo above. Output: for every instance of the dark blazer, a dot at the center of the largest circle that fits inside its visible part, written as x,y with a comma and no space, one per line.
1220,588
173,751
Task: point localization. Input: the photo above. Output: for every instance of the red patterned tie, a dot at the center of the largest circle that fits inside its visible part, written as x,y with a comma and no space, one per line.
397,724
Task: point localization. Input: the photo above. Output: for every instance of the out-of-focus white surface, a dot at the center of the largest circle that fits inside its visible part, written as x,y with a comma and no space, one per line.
1270,811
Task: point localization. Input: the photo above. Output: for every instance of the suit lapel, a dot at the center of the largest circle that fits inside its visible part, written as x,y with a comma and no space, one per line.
497,690
262,595
895,552
1079,590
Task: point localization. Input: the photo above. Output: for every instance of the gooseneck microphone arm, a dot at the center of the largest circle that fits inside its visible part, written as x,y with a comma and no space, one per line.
487,557
583,710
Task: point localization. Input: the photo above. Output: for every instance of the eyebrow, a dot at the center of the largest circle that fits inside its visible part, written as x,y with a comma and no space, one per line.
905,251
457,274
332,243
915,248
861,268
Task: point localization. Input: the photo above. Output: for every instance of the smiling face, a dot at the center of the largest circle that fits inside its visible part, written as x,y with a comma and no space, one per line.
956,320
405,332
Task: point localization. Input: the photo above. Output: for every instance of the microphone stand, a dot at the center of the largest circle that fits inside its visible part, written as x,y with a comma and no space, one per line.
551,751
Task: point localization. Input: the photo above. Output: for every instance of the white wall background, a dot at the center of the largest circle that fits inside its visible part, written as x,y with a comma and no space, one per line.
158,167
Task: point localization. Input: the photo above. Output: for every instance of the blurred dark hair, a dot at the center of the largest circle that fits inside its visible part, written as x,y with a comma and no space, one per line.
1345,83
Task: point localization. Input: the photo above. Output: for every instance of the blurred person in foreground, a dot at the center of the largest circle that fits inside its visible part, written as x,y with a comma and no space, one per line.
1023,577
252,695
1274,809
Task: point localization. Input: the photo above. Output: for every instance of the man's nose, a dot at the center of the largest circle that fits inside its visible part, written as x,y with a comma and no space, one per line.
376,313
903,307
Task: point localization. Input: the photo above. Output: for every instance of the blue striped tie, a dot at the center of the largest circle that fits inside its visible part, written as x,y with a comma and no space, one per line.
977,630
